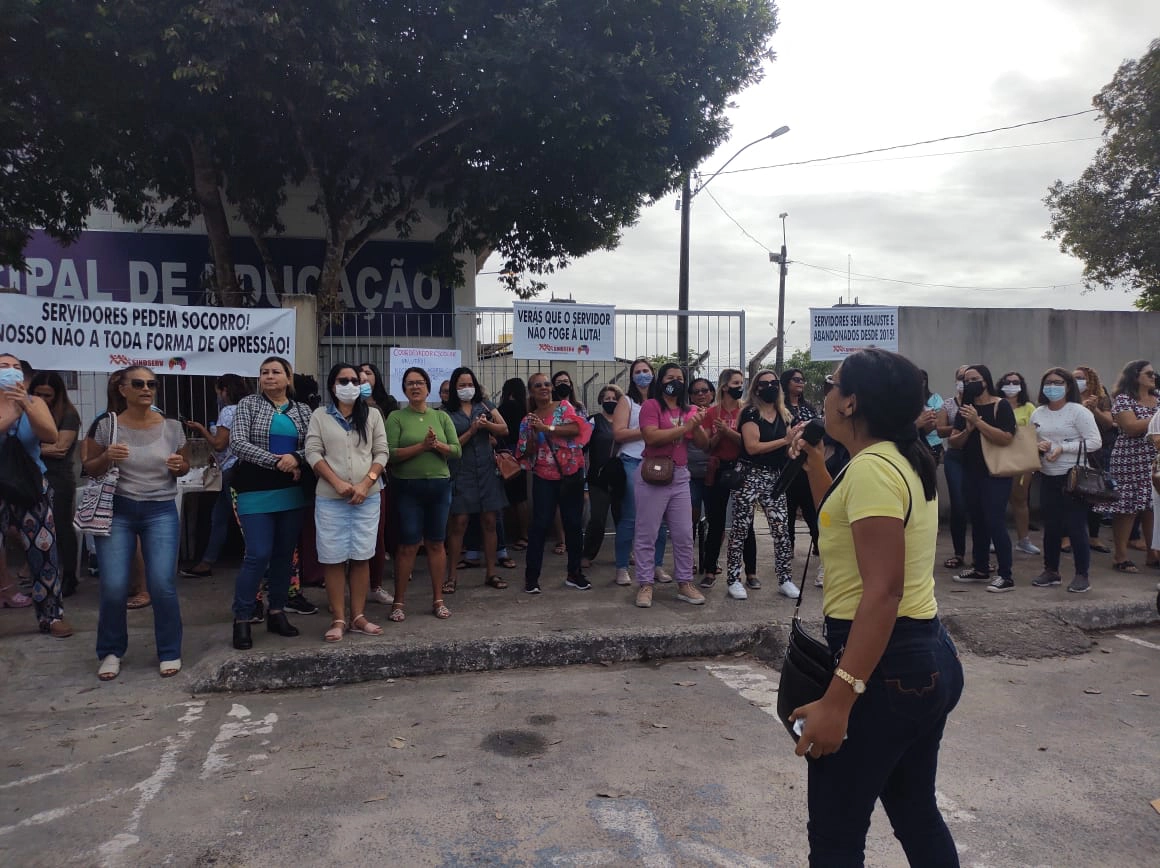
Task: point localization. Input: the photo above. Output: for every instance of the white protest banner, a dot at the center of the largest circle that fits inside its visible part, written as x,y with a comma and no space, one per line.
564,331
836,332
106,336
437,363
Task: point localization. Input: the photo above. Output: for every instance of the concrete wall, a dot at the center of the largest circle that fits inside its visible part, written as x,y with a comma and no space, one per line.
1028,340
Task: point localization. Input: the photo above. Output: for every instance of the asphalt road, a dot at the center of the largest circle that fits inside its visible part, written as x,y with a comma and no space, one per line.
669,764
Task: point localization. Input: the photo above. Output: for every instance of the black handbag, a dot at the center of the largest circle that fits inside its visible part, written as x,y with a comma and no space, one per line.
21,482
808,667
610,477
730,475
1088,483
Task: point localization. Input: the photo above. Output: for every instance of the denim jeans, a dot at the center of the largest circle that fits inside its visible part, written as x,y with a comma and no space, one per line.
987,498
1063,516
892,752
953,469
545,498
155,523
219,526
270,541
626,524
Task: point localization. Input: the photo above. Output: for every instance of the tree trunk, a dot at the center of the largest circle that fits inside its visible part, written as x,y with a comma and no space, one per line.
207,191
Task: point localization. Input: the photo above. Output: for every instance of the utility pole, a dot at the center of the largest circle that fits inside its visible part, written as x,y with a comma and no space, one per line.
782,262
683,275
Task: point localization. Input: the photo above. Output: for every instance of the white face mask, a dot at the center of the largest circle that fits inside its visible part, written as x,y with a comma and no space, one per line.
347,394
465,394
1081,385
1011,391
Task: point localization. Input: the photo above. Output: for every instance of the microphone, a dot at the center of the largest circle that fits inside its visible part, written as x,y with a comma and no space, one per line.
812,434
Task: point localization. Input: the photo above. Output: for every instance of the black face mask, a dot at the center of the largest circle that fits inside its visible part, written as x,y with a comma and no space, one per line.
561,391
735,393
971,391
608,407
768,392
674,389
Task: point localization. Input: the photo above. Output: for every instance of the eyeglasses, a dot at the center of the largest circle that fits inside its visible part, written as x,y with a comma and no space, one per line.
413,384
1012,383
1054,383
151,385
1151,374
348,381
543,384
797,379
700,391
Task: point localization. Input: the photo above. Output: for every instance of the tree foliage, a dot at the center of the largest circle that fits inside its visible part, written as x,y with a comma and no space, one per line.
1110,216
537,129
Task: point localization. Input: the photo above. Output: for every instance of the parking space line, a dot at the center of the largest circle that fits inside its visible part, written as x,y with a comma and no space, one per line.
1143,643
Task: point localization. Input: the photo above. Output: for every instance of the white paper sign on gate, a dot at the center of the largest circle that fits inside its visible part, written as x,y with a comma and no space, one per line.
105,336
584,332
438,364
836,332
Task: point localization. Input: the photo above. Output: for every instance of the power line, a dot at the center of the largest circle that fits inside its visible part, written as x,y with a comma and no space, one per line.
969,151
744,231
911,144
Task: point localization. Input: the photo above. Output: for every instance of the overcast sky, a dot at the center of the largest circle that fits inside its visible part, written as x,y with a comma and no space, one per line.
851,76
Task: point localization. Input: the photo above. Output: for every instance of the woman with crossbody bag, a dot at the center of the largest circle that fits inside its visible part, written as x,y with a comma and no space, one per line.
667,423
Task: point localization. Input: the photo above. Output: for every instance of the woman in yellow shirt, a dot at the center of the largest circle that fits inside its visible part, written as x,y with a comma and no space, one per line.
875,733
1014,389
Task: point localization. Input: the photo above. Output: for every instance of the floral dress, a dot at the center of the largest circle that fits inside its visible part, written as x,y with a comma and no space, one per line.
1131,463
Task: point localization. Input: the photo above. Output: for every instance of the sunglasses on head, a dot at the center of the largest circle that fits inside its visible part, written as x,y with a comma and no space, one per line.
151,385
348,381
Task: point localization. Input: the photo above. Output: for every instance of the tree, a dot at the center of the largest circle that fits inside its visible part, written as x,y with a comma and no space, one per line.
1110,216
539,129
814,372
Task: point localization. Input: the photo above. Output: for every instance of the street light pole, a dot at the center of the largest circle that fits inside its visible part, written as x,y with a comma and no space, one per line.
687,194
782,263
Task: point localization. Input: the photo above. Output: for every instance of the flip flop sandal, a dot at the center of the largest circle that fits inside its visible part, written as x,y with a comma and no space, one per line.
138,601
519,545
953,563
334,634
449,584
560,549
506,563
1125,567
465,564
1101,548
110,667
495,582
440,611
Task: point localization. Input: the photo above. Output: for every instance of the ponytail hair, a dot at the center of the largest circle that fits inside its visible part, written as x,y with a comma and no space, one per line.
890,397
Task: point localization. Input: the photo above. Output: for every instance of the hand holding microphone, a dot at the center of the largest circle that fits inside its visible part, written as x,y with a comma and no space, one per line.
803,445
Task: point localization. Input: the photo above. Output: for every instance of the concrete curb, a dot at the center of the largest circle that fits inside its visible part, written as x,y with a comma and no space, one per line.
350,662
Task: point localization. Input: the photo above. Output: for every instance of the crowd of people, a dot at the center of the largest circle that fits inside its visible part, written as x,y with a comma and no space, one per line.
327,489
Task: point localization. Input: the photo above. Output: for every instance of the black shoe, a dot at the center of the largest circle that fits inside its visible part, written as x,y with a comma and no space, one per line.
68,586
242,640
276,622
533,588
578,581
299,605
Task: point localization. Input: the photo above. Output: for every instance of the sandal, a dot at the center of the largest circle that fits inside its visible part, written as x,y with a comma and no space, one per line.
495,582
506,563
397,613
367,629
560,549
138,601
519,545
449,584
334,634
954,563
465,564
110,667
1125,567
1101,548
169,668
440,611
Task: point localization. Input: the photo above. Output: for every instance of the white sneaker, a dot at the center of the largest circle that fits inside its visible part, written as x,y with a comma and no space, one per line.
622,577
736,590
379,595
661,576
1026,546
789,589
821,576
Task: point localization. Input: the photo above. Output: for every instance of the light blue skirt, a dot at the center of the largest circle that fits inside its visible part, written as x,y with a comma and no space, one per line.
346,532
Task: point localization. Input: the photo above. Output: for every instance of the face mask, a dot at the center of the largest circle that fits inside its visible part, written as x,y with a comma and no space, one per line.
1081,385
643,379
735,393
561,392
1054,392
465,394
971,391
347,394
9,377
365,390
768,392
959,386
608,407
674,389
1011,391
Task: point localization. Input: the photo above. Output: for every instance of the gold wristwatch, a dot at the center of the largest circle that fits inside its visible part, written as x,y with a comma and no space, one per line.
856,684
372,476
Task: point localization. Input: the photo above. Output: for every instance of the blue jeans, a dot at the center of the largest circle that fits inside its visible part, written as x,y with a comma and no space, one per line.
892,752
155,523
546,496
953,469
1063,516
626,525
987,497
223,514
270,541
424,505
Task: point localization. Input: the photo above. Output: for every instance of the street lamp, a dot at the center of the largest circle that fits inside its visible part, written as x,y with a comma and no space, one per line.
687,195
780,259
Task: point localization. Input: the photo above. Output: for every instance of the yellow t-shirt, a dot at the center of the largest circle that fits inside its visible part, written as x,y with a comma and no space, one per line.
872,487
1023,414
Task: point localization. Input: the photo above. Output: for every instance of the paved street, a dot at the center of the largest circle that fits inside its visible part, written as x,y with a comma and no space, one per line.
661,764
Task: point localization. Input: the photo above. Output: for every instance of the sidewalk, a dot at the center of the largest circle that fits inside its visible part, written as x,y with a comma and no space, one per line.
492,629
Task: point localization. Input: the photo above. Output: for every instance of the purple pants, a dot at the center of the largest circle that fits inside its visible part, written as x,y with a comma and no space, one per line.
673,505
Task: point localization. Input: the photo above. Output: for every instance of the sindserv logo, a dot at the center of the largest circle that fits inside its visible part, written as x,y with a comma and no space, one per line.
125,362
